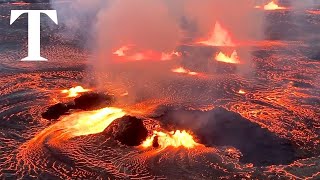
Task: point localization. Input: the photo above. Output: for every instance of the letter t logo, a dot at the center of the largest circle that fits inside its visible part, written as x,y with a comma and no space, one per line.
34,30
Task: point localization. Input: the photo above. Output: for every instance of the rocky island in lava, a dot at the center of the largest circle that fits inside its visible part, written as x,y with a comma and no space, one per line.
181,89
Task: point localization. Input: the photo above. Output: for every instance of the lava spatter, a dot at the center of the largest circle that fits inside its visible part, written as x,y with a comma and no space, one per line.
74,91
219,37
175,139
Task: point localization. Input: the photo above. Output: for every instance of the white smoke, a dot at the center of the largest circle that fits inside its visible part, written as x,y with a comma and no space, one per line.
154,25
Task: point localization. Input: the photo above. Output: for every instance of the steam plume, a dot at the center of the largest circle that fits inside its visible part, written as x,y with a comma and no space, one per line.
158,25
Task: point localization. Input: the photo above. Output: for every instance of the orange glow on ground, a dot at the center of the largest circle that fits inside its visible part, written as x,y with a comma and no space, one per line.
241,91
271,6
131,54
175,139
19,3
219,37
233,58
316,12
75,91
181,70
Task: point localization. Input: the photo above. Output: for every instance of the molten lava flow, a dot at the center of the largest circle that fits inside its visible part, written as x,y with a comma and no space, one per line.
175,138
219,37
266,43
124,94
233,59
316,12
19,3
75,91
181,70
91,122
129,53
271,6
78,124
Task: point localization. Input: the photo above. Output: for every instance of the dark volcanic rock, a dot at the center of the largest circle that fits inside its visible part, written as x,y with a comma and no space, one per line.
155,142
301,84
89,101
128,130
55,111
92,101
220,127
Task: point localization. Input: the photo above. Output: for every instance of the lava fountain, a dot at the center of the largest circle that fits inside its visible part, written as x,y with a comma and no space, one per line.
233,58
174,138
75,91
271,6
219,37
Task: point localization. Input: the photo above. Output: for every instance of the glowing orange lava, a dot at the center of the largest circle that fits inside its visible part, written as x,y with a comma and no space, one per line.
233,59
316,12
265,43
124,94
219,37
91,122
79,124
271,6
241,91
181,70
20,3
129,53
121,51
175,139
75,91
